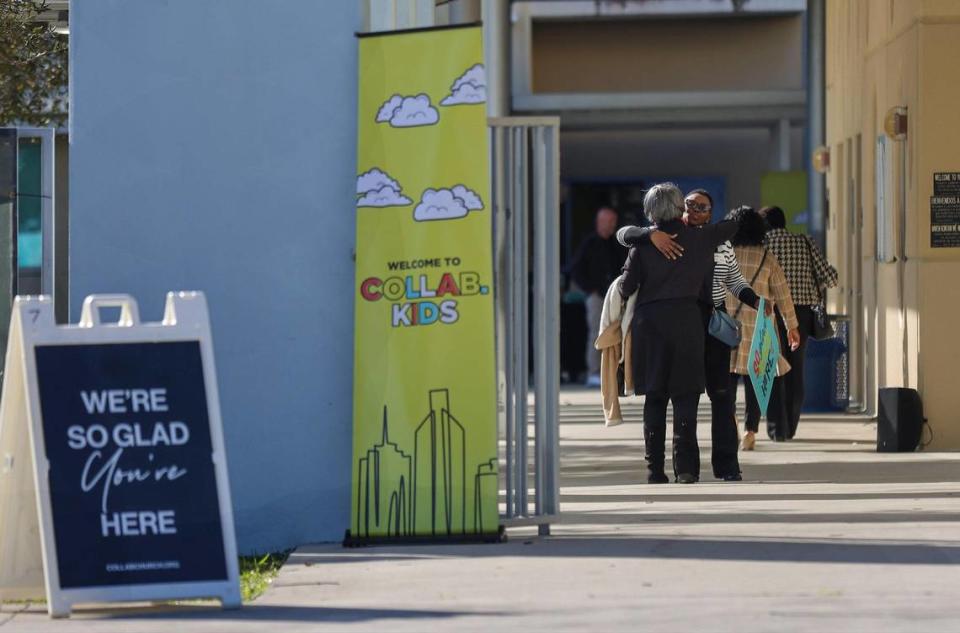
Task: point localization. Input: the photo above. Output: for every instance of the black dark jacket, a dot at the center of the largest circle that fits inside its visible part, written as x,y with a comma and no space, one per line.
634,236
659,278
597,263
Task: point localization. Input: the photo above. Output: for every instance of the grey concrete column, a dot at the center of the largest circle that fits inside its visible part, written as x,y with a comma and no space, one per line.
496,52
464,11
783,145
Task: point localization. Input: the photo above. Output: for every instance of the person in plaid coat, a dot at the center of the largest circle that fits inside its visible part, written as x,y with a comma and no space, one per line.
768,280
808,274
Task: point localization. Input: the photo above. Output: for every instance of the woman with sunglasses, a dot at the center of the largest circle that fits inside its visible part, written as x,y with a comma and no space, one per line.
667,348
725,275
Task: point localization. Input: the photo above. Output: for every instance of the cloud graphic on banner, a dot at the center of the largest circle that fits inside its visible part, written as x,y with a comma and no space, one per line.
469,88
375,179
439,205
408,111
385,113
377,189
386,196
446,204
470,199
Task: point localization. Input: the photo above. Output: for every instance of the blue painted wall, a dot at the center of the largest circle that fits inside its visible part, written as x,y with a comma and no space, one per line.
213,148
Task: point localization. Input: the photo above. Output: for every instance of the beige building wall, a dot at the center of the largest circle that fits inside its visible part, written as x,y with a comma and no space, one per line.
697,54
881,54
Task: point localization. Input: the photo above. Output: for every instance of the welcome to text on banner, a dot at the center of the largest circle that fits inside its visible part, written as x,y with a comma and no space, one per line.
424,407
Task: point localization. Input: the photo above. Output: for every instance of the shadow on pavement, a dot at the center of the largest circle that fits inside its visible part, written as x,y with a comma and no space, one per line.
613,464
280,613
745,518
796,550
819,551
720,497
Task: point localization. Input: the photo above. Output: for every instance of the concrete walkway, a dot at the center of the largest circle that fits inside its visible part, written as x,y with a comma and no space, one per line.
824,534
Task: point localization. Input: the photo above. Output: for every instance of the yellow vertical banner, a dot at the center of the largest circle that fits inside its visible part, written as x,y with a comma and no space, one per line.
424,401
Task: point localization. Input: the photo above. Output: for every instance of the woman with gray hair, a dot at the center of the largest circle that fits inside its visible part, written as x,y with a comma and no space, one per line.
668,336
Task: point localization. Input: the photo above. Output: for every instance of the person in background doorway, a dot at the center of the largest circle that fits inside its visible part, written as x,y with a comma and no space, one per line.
807,272
725,275
767,279
595,265
667,330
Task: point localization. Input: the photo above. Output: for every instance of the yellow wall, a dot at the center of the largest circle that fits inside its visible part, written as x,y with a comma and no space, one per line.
880,54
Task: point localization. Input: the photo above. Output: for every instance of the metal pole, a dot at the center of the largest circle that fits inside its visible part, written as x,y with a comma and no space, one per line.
551,481
512,315
503,300
540,310
816,114
48,214
523,379
520,320
858,324
518,412
902,258
546,319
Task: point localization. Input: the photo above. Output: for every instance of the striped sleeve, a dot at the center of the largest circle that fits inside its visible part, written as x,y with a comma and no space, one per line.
733,278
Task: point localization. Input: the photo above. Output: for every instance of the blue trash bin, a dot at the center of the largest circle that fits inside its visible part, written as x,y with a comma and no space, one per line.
825,375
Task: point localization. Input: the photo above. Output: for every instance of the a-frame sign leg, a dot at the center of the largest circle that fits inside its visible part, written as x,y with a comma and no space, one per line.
21,557
58,608
231,601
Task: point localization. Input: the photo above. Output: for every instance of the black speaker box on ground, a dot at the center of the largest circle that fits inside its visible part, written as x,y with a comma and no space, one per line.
900,421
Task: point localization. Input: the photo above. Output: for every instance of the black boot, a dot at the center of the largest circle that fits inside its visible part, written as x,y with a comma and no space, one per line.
654,439
772,433
657,477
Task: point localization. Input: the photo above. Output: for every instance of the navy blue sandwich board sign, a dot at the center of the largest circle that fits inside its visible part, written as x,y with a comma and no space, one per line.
132,500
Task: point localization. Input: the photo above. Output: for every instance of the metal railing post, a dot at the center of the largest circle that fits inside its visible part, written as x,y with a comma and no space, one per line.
551,321
526,198
519,315
540,339
502,256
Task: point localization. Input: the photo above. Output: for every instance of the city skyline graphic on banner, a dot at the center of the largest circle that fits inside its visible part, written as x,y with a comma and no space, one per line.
402,493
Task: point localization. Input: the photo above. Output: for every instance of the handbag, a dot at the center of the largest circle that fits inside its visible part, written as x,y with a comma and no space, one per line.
821,328
726,328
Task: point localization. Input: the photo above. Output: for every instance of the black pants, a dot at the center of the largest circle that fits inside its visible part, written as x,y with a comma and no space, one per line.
723,427
776,417
790,387
686,452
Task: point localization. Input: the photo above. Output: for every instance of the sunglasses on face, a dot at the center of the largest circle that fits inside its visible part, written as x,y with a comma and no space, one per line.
698,207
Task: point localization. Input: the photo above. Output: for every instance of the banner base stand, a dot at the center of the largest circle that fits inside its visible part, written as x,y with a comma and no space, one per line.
500,536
